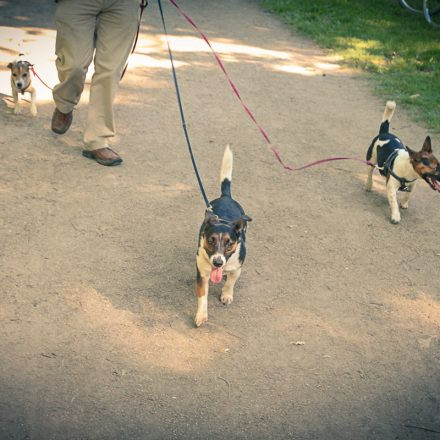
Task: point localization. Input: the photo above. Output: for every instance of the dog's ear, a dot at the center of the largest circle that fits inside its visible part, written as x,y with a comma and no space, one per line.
9,66
238,225
412,154
427,148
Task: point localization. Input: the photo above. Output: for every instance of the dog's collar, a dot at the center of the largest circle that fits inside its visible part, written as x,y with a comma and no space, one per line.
388,167
225,222
22,91
219,220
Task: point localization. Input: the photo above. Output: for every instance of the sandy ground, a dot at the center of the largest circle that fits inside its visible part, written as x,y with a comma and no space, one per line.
96,308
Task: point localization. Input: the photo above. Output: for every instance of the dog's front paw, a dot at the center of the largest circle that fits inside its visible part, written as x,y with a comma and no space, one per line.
201,318
395,221
227,297
34,111
17,111
404,205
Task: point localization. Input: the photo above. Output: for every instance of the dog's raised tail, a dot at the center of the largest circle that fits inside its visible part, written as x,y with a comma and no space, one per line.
387,115
226,172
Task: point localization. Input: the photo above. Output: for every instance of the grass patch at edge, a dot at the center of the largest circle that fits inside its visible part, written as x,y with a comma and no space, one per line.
397,50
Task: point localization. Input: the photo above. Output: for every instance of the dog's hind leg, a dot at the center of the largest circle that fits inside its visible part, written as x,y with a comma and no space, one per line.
372,157
202,286
406,195
227,295
392,188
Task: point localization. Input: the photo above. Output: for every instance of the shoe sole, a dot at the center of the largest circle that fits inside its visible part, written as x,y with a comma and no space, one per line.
107,163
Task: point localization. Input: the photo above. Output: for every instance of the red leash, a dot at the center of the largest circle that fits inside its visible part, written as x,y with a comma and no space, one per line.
275,151
36,74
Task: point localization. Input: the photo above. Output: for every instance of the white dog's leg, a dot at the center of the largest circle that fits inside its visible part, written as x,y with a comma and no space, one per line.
33,102
16,101
406,195
227,295
369,183
392,187
202,287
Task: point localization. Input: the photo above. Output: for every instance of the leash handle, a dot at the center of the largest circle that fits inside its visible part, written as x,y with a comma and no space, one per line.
182,114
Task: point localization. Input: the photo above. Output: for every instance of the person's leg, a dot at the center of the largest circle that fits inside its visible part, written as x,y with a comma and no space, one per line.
75,23
115,32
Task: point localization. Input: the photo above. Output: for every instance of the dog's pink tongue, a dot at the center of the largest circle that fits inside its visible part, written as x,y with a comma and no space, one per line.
217,275
436,184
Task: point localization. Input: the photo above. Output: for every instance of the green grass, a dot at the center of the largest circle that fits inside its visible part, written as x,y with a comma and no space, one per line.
398,50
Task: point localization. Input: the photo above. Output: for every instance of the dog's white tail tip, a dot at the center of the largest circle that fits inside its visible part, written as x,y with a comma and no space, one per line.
226,170
389,111
391,105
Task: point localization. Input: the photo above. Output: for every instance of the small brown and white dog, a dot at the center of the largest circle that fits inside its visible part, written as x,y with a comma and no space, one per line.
222,244
21,82
401,165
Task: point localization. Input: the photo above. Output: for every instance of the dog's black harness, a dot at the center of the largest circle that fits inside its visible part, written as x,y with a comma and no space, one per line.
386,155
388,169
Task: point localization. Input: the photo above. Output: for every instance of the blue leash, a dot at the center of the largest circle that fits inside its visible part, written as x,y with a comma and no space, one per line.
182,114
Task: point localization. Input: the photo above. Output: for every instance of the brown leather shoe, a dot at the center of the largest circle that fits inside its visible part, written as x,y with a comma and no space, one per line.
105,156
61,121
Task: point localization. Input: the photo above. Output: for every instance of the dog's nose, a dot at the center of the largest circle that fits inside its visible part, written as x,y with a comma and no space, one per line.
19,85
217,262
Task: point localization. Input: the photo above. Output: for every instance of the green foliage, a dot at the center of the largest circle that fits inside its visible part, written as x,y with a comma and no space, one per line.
399,51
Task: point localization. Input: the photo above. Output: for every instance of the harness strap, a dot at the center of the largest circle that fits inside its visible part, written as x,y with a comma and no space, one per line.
388,168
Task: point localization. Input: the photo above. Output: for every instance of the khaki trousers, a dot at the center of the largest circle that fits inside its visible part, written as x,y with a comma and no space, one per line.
107,29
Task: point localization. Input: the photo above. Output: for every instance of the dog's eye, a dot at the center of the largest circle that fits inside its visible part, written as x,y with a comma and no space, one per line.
14,75
425,161
24,75
211,241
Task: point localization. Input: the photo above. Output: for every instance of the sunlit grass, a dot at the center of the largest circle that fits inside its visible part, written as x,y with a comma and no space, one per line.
399,51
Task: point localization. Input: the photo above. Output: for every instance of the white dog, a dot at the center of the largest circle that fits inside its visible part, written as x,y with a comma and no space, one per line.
21,82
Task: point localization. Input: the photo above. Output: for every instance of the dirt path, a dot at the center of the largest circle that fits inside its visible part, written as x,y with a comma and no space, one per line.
96,305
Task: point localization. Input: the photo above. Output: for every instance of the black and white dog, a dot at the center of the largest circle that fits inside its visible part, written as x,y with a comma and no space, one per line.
222,241
401,166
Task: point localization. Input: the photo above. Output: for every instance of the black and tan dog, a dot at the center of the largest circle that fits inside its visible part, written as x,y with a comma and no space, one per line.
21,82
401,166
221,244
